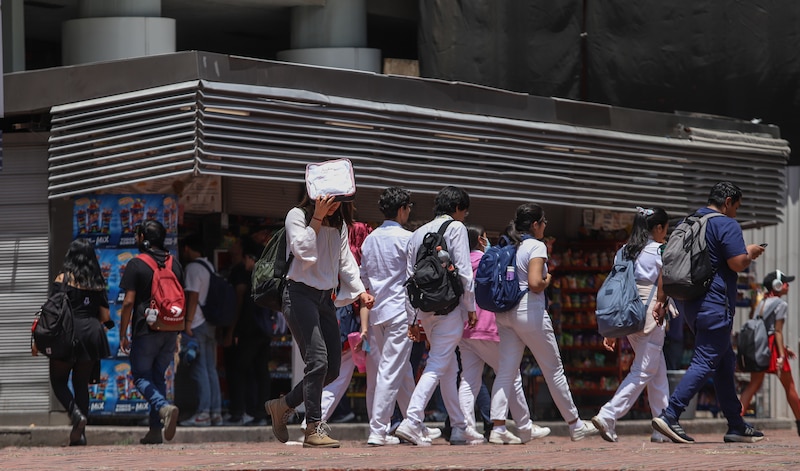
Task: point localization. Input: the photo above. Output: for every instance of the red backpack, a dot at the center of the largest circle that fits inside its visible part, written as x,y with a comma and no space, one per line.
166,296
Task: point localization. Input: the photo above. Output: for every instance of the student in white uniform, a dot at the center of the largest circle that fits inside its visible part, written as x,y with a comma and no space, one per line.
383,271
649,368
479,347
444,331
529,324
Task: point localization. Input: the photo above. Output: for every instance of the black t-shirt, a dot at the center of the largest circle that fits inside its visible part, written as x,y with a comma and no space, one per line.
138,277
85,303
254,320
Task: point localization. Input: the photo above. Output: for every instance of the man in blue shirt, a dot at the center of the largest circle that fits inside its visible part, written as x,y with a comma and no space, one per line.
710,317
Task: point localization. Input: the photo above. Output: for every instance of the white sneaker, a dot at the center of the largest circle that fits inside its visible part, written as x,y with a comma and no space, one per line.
583,432
504,438
377,440
408,432
605,429
534,431
466,436
202,419
433,432
658,437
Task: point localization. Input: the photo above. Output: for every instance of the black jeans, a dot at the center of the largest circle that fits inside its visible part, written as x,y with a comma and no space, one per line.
311,317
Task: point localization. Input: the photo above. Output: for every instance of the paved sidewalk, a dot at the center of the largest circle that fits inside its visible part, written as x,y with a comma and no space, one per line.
777,451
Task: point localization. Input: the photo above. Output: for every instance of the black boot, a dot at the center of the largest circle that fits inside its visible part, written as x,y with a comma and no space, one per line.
77,436
797,422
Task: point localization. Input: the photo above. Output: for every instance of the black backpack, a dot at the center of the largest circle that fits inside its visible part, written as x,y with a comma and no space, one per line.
435,285
220,306
53,330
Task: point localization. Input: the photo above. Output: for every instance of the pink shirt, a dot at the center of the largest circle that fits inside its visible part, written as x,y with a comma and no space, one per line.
486,328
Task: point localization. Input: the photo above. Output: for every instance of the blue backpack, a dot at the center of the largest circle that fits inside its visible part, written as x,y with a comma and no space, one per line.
496,284
620,310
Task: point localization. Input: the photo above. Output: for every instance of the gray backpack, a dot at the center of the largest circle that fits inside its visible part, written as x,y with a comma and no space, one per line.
752,345
687,271
620,310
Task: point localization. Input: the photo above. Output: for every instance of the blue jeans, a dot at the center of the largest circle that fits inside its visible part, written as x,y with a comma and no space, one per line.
713,356
311,317
204,370
150,357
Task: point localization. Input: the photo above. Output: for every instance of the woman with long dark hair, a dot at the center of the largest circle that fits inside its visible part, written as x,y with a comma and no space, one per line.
649,368
530,325
86,288
317,235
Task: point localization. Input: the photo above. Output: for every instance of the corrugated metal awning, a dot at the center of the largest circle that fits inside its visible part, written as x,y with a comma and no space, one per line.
201,127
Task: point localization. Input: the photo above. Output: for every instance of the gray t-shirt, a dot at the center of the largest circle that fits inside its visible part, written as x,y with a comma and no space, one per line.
774,309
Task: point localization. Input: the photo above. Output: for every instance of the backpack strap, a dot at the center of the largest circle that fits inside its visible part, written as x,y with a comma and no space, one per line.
650,298
283,263
149,261
153,264
772,307
443,227
206,266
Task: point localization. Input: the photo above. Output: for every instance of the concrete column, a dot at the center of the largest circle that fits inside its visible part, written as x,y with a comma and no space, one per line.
334,35
13,35
116,29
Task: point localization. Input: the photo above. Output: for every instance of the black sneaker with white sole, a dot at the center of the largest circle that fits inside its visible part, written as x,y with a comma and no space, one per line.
671,429
747,434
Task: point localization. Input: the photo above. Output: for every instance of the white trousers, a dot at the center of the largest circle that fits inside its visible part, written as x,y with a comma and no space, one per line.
393,379
474,354
444,333
529,325
649,370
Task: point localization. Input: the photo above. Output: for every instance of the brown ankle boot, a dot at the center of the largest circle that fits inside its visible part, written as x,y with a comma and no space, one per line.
280,412
317,436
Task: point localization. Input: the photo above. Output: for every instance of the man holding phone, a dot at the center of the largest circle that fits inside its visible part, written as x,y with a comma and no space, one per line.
710,317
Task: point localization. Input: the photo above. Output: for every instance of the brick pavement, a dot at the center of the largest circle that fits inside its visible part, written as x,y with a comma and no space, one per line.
633,452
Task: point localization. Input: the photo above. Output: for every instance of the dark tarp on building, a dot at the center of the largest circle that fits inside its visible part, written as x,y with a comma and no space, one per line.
738,59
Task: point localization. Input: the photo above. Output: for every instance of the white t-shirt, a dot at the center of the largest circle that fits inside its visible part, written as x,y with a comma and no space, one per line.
648,263
197,279
527,251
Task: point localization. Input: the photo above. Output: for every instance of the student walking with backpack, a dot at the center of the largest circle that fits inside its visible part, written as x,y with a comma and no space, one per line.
529,325
710,318
351,319
648,370
479,347
323,261
445,327
772,310
82,281
203,369
153,307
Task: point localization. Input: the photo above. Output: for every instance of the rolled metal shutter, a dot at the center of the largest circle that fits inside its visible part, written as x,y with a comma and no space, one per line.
24,273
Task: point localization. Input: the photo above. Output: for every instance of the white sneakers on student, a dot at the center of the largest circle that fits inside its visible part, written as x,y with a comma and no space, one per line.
605,429
413,434
466,436
504,438
580,433
530,433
